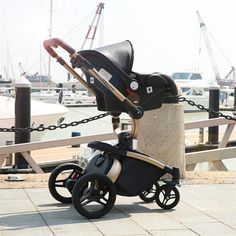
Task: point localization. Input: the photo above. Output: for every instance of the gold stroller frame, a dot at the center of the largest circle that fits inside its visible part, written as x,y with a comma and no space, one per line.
80,179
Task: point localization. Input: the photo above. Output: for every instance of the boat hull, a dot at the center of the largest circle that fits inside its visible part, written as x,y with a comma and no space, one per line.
42,114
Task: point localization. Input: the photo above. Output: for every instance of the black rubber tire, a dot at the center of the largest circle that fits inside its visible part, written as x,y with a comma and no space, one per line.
53,178
162,200
96,187
149,195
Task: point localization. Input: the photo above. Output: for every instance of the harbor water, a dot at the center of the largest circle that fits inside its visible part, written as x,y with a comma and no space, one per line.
104,126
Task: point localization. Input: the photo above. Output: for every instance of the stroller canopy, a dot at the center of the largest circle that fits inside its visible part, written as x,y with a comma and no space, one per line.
115,63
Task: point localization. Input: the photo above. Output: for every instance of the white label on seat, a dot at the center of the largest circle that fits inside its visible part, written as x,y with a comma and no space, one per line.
149,89
91,80
105,74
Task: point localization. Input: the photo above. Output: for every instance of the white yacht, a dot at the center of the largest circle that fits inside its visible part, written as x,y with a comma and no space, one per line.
193,87
41,114
67,98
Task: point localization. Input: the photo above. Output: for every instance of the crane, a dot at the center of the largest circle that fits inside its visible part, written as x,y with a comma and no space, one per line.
93,26
92,30
221,81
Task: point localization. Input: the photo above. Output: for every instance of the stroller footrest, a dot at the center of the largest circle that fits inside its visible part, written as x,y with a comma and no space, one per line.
175,174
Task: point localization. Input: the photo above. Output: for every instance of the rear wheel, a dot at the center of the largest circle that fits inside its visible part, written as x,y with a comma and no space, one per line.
94,195
167,196
62,180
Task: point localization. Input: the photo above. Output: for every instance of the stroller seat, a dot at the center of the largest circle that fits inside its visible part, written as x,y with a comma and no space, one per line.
120,54
115,63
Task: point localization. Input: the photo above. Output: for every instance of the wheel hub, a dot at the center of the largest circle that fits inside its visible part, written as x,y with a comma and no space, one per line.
69,183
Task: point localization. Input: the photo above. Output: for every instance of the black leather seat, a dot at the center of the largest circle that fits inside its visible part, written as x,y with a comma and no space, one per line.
115,63
121,54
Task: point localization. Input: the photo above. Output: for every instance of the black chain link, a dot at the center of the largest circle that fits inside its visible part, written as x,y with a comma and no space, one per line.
97,117
202,108
53,127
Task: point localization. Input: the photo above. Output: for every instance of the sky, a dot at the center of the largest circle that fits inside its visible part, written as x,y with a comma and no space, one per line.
165,33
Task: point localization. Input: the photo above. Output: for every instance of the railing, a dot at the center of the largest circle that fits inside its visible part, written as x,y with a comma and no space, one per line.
25,148
214,156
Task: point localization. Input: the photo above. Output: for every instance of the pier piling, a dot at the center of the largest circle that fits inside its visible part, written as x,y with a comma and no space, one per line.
161,135
22,117
234,99
213,132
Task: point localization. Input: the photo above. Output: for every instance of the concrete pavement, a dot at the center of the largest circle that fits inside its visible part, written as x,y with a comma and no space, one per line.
203,210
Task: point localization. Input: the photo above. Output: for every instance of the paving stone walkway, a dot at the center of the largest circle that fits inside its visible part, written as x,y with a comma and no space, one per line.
203,210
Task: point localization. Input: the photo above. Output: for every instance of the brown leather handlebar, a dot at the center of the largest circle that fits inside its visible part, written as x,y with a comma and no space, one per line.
54,43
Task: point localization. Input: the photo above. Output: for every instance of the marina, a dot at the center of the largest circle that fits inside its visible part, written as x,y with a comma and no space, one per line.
64,97
108,140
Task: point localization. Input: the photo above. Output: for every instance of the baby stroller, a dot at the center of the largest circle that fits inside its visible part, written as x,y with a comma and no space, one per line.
116,169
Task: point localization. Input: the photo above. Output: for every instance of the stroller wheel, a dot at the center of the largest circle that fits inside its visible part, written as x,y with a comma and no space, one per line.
94,195
167,196
149,194
62,181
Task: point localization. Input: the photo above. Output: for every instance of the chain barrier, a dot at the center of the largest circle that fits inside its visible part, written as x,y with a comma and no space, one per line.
54,127
202,108
97,117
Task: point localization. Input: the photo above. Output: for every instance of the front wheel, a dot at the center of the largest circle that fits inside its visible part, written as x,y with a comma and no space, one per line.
62,180
94,195
167,196
149,194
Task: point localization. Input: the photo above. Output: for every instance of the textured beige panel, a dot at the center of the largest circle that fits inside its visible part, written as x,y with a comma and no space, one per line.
161,135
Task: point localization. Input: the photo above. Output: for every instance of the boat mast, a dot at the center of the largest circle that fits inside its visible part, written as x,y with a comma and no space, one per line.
93,26
6,73
50,36
22,71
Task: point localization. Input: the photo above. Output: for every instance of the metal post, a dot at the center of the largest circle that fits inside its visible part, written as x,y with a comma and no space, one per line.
201,135
9,158
22,117
213,132
234,99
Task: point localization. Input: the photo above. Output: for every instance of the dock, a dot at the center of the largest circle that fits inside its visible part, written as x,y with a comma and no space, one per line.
207,207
